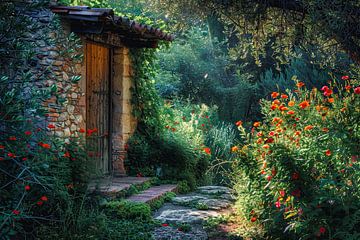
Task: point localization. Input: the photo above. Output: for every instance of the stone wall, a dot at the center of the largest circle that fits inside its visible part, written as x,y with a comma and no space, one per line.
56,68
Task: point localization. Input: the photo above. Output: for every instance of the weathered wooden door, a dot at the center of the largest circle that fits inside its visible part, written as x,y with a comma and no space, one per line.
98,102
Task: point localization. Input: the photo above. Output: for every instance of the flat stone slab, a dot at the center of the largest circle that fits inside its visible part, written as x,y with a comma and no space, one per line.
191,216
214,190
152,193
188,199
215,204
111,186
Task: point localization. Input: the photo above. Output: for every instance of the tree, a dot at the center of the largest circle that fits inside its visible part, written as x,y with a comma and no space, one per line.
329,24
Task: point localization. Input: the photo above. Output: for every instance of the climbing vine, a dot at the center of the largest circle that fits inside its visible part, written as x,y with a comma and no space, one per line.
145,99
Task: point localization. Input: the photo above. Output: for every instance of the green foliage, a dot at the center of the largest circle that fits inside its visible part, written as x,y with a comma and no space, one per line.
129,210
183,187
297,173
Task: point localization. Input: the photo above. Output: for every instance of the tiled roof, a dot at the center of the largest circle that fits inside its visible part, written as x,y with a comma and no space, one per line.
101,20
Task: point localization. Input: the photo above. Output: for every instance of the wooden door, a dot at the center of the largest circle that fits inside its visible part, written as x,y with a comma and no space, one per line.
98,102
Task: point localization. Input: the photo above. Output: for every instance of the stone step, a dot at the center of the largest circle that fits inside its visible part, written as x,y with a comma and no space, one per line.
152,193
113,186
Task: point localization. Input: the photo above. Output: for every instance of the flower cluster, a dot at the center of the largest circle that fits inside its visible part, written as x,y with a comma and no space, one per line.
305,153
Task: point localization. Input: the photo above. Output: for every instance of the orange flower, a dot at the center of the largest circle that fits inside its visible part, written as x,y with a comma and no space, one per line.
238,123
276,119
290,112
207,150
291,103
283,108
257,124
44,145
331,100
259,141
300,84
276,102
348,87
325,129
234,149
274,94
284,96
266,146
309,127
259,134
304,104
297,133
328,153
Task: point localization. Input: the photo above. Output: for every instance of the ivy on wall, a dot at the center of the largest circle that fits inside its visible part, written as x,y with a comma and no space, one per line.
145,99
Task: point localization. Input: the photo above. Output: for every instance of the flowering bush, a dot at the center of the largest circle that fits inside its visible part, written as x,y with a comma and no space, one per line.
40,176
298,173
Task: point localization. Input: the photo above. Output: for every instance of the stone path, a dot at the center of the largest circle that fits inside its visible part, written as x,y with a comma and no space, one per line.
111,186
191,210
152,193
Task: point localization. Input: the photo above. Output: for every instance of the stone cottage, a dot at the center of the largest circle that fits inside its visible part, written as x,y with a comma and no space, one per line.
95,91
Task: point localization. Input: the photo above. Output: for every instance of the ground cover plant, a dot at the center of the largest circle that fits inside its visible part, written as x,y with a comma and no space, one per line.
297,174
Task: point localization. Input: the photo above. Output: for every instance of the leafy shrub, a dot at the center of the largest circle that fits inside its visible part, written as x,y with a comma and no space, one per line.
129,210
298,173
178,152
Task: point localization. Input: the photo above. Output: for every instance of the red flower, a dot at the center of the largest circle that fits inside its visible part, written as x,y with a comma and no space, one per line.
16,212
207,150
44,198
284,96
274,94
322,230
27,132
345,78
291,112
165,225
27,188
277,204
11,155
82,130
328,152
39,203
91,131
269,140
357,90
12,138
253,219
269,178
325,88
295,176
304,104
24,159
238,123
67,154
348,87
2,147
282,193
51,126
327,93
